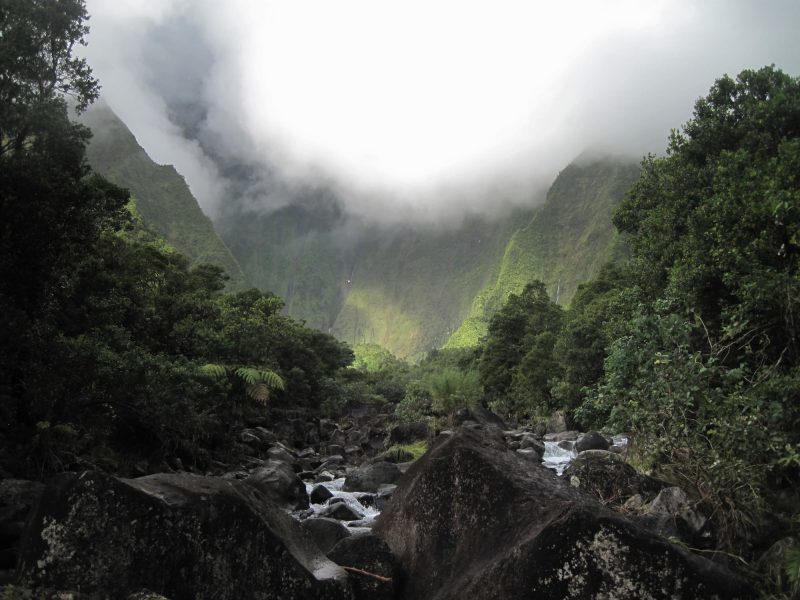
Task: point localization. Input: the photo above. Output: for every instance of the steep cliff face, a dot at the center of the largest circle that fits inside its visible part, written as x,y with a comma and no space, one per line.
160,193
408,288
412,289
565,243
405,288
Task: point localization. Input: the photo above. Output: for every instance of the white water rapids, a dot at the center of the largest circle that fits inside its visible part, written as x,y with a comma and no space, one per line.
557,456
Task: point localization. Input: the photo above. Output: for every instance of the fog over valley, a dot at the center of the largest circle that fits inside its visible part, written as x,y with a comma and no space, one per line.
416,111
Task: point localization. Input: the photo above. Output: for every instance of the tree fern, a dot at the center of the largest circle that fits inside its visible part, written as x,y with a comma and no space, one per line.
258,382
214,370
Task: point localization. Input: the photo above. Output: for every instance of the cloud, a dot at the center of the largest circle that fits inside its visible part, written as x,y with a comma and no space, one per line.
414,109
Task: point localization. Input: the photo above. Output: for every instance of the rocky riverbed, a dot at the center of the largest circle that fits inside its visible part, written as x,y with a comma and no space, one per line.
323,510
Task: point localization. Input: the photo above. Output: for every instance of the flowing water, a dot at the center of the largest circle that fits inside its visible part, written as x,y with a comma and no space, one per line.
368,514
557,457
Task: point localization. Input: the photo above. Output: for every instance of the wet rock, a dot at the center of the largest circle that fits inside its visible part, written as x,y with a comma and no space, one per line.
529,441
592,440
331,462
179,536
352,453
320,494
368,478
325,532
281,453
278,481
557,423
334,449
371,557
609,478
365,499
383,495
341,511
562,436
407,433
473,520
306,453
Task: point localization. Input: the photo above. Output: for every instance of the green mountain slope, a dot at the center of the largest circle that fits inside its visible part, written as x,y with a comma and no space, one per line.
410,292
404,288
161,195
566,242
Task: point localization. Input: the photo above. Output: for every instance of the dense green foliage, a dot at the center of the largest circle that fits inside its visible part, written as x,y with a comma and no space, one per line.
108,339
404,288
161,196
566,242
692,346
517,361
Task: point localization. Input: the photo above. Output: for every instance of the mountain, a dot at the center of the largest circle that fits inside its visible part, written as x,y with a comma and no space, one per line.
405,288
161,195
414,288
565,243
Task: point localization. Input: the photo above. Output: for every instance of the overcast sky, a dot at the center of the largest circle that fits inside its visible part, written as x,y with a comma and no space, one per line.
418,107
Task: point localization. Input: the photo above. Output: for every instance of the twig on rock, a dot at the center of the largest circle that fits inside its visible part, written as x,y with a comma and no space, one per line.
368,574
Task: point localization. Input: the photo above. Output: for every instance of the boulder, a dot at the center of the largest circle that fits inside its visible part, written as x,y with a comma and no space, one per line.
675,511
320,494
407,433
480,415
562,436
180,536
373,570
607,476
325,532
280,483
17,498
281,453
473,520
368,478
557,423
592,440
530,454
342,512
326,429
384,494
529,441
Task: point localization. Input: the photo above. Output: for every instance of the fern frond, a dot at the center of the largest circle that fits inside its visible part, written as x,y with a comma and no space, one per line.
259,392
272,379
214,370
249,375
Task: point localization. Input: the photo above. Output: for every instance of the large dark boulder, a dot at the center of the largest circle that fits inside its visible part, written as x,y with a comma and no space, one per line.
17,498
280,483
182,536
325,532
374,571
592,440
368,478
472,520
606,476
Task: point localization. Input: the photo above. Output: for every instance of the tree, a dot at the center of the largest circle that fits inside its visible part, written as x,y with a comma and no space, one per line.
715,224
706,374
37,66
